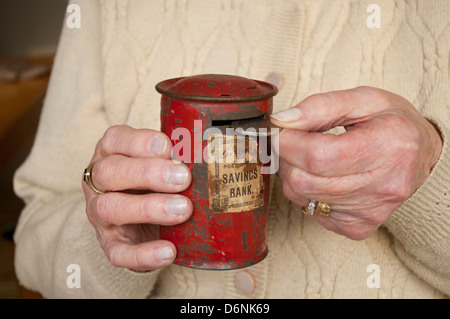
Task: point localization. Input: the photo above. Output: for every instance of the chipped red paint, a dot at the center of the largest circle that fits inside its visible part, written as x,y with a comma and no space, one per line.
211,239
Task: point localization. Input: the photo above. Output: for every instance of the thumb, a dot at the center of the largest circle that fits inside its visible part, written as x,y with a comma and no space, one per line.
323,111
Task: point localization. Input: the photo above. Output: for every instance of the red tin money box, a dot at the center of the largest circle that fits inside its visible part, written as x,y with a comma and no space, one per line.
207,117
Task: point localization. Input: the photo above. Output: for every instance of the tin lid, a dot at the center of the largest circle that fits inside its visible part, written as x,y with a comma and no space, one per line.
216,88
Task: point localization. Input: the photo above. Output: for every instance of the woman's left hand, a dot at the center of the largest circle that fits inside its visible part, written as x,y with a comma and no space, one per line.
386,153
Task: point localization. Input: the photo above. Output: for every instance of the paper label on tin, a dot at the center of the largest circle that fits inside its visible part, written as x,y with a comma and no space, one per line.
235,182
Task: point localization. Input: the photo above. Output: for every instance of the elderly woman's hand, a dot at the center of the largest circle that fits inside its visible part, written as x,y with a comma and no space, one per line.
129,161
386,153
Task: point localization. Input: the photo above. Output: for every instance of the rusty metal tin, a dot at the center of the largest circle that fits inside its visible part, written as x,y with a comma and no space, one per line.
228,227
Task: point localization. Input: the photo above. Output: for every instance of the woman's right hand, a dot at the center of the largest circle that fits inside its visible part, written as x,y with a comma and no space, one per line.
126,222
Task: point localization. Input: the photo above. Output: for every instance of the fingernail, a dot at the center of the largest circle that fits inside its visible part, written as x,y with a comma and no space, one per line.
164,253
288,115
176,206
158,145
176,175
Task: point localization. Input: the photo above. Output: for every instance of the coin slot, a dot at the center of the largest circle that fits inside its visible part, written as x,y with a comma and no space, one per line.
237,122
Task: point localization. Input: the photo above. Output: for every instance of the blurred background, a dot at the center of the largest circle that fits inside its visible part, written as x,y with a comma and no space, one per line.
29,34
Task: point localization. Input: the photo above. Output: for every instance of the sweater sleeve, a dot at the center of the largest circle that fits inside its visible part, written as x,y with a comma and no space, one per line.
421,225
53,233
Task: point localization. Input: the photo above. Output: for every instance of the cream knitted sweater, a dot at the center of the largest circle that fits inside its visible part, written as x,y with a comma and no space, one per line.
105,73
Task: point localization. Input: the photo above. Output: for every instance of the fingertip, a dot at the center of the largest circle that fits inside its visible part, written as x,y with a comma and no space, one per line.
159,254
151,255
178,175
131,142
179,208
166,253
160,146
288,115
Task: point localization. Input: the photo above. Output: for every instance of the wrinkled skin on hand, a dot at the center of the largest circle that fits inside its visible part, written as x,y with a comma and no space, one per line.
386,152
134,170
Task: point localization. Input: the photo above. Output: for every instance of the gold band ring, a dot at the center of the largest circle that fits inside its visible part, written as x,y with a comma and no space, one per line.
87,178
314,206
